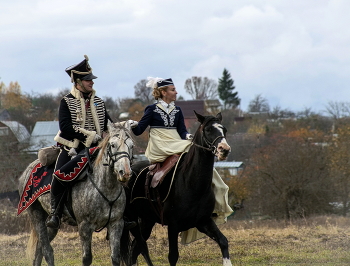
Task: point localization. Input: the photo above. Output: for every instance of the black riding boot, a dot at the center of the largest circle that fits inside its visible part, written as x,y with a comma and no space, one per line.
54,219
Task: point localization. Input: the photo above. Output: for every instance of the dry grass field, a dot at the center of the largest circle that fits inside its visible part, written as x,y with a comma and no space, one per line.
314,241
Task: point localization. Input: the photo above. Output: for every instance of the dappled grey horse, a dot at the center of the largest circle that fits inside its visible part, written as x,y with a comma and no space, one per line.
97,203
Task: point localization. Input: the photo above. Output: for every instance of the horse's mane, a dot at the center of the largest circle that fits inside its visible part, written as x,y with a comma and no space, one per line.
103,143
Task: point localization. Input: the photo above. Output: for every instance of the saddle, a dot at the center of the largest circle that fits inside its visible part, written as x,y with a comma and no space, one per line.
158,171
154,177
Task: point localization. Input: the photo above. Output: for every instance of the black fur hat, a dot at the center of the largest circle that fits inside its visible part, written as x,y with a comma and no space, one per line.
81,71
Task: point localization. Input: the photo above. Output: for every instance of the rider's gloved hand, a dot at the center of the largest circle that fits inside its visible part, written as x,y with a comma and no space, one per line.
189,136
72,152
133,123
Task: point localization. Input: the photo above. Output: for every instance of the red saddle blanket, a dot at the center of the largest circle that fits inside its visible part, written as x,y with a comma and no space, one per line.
39,181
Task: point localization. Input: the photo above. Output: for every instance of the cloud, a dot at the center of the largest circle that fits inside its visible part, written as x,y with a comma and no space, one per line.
294,53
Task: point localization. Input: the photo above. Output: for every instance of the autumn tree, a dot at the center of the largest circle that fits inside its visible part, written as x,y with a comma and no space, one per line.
238,185
339,162
225,90
13,98
18,105
44,107
201,88
288,177
2,91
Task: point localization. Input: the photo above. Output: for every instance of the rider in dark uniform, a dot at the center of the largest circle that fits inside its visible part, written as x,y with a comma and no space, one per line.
82,120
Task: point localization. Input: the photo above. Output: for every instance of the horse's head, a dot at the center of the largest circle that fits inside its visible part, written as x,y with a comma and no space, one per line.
119,150
212,135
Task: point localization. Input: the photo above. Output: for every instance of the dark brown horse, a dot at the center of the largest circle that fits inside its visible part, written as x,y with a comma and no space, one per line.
190,201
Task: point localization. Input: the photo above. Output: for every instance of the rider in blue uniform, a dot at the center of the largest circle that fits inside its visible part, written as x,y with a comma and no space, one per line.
168,136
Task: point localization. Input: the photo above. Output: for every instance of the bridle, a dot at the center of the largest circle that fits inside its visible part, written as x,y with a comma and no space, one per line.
209,146
116,156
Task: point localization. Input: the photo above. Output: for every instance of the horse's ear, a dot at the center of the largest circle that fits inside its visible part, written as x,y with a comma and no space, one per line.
219,116
199,117
126,124
123,123
110,126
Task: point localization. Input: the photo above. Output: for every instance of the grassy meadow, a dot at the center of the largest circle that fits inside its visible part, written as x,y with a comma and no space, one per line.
313,241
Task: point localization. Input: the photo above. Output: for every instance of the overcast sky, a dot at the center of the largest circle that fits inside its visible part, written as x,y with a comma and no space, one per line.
294,53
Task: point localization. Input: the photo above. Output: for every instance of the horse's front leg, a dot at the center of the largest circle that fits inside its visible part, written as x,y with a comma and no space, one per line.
85,233
173,255
210,229
115,231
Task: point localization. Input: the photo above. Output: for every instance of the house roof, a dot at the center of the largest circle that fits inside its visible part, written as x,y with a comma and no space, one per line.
21,133
43,135
187,108
228,164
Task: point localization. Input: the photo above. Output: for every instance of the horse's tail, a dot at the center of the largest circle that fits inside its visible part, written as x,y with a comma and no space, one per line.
125,247
32,243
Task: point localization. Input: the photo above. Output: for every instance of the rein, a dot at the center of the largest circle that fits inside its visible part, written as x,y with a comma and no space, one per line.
110,202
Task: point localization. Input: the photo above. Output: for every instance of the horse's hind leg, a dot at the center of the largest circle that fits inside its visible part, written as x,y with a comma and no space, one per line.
42,237
85,233
45,250
210,229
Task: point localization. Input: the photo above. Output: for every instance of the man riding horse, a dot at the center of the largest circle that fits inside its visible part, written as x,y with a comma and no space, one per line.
82,120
